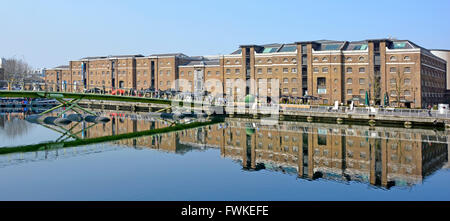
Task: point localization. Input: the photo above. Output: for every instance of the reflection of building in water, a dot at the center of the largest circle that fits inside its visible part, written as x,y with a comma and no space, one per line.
382,157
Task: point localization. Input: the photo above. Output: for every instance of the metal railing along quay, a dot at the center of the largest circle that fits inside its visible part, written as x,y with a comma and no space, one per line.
173,95
400,112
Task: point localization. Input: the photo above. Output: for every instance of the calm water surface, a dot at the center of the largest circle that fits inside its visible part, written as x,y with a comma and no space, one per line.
239,159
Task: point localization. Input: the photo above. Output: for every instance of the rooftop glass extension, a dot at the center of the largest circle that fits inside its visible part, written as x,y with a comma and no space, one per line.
398,45
288,48
360,47
331,47
239,51
269,50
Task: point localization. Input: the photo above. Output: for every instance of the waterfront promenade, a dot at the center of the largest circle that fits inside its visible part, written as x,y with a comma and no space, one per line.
338,114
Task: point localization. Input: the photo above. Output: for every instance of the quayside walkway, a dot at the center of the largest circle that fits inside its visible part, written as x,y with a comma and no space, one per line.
132,102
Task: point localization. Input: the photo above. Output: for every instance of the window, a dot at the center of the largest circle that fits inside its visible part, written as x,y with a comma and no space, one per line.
269,70
285,60
349,91
217,73
294,80
227,62
294,90
189,73
393,81
393,58
361,92
361,58
349,81
407,81
285,70
259,61
269,61
160,72
362,81
168,83
259,71
362,70
294,60
237,71
407,70
316,59
406,58
228,71
209,73
393,70
294,70
325,70
349,59
285,80
161,83
393,93
285,90
324,59
168,73
316,70
407,93
182,73
236,62
349,70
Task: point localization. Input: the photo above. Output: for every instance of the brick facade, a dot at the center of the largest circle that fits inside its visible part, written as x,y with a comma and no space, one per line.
328,71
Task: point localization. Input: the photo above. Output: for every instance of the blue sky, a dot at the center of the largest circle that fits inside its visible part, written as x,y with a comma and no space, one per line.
48,33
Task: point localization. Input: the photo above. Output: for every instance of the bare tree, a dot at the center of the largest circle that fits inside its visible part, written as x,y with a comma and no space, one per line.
375,87
16,69
399,89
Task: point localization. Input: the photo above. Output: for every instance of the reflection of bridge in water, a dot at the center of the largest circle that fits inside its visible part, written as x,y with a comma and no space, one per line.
379,156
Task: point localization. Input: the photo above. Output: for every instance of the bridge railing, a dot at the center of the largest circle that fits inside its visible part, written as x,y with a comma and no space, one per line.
79,88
